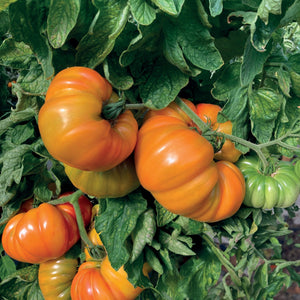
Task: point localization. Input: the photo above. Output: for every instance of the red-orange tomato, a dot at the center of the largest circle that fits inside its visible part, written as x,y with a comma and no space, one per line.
71,125
208,113
41,234
99,280
175,163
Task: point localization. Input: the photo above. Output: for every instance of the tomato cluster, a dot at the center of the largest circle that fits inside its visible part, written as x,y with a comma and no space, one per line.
168,156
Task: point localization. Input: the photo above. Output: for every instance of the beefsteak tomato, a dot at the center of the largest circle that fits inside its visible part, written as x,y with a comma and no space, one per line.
208,113
116,182
279,189
175,163
71,125
55,278
41,234
99,280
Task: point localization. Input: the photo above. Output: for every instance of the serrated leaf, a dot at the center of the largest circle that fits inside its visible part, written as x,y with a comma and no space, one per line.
163,216
143,233
269,6
116,74
265,105
188,44
172,7
215,7
201,273
7,266
25,19
116,224
174,245
14,54
253,62
107,26
153,261
284,80
163,85
189,226
142,11
61,20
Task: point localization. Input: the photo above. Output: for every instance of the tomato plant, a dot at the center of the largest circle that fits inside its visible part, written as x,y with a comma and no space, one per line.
55,278
279,189
116,182
42,233
175,163
209,113
71,125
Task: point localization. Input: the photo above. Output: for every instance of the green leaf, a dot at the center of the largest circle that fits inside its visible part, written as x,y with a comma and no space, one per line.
23,284
7,266
284,80
116,74
117,223
25,18
269,6
5,3
142,11
143,233
201,273
61,20
163,216
174,245
14,54
188,44
253,62
265,105
215,7
172,7
106,27
189,226
163,85
153,261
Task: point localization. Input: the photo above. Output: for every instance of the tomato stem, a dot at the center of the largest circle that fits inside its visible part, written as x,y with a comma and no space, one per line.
134,106
79,219
226,263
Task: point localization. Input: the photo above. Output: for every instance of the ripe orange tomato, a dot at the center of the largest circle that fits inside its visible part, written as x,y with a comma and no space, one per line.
175,163
71,125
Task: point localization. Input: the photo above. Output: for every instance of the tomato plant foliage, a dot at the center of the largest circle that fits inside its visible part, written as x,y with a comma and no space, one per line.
241,55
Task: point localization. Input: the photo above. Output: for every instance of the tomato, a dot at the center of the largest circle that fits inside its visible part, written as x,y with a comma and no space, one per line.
208,113
279,189
99,280
71,125
41,234
116,182
175,163
55,278
297,168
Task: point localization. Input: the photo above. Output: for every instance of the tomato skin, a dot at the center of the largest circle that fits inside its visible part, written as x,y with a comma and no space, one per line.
116,182
280,189
71,125
41,234
55,278
209,113
297,168
175,163
98,280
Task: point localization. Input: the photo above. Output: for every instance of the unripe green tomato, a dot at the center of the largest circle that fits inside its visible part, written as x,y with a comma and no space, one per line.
297,168
279,189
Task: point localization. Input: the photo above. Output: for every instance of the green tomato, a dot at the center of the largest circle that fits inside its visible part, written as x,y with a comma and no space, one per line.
297,168
279,189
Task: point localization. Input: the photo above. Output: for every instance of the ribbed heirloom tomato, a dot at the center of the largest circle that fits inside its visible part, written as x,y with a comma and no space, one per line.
71,125
175,163
116,182
209,113
279,189
55,278
43,233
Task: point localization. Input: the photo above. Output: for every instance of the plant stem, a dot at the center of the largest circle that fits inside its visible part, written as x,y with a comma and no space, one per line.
80,223
134,106
226,263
